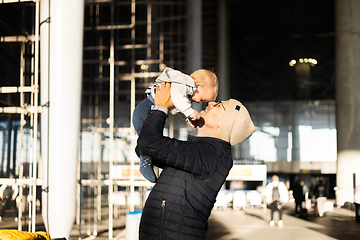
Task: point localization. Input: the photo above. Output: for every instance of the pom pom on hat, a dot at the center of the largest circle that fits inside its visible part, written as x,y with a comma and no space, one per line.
236,126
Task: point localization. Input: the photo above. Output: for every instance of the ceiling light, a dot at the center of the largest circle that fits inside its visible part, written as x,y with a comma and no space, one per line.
310,61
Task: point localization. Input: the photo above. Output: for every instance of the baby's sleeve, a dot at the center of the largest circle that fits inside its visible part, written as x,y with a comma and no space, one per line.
179,96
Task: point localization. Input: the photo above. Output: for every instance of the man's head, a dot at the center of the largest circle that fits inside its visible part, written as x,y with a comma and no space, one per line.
275,180
227,120
236,125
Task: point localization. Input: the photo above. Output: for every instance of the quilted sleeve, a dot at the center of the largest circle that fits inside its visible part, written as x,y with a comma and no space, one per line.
196,158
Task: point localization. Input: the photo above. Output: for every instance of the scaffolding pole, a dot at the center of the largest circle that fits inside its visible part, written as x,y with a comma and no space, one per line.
36,102
111,121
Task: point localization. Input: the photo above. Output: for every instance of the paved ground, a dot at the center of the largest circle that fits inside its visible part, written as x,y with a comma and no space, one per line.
253,224
248,224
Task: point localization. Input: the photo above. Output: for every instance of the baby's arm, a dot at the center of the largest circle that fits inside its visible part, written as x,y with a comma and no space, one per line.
180,99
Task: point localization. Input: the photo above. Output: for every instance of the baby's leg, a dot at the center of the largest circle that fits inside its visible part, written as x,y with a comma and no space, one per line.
146,168
139,116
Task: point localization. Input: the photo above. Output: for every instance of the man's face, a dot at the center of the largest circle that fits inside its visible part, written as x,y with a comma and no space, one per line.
214,113
275,178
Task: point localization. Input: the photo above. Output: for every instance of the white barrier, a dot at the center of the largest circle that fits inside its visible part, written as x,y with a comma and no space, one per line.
132,225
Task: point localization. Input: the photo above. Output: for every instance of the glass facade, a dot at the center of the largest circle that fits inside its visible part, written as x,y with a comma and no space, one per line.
291,131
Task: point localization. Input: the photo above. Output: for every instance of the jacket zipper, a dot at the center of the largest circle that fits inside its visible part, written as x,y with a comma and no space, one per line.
162,218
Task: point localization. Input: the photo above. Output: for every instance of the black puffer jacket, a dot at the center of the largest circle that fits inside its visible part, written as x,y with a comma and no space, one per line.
180,203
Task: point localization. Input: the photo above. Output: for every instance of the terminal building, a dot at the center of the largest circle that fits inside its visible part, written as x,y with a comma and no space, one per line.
72,73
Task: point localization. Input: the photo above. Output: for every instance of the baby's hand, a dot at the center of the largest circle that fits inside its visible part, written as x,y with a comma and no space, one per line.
194,116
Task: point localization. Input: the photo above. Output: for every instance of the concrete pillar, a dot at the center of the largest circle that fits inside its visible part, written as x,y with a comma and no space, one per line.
194,40
223,55
347,77
282,151
295,152
61,78
303,76
194,35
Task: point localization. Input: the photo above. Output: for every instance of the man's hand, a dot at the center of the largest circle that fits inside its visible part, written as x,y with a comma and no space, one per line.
163,95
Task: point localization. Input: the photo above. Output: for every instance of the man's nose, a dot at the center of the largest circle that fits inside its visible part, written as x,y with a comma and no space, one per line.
211,104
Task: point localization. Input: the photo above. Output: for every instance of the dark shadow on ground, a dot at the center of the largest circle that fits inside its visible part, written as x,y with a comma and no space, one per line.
220,230
216,230
338,226
257,216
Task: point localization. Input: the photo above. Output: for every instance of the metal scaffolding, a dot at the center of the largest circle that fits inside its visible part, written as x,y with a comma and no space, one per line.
28,108
126,46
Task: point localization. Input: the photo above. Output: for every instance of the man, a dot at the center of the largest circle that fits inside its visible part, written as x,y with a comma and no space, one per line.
357,203
301,194
299,197
180,203
276,195
320,194
8,194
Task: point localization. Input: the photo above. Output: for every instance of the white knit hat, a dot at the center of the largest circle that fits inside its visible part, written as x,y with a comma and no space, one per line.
236,126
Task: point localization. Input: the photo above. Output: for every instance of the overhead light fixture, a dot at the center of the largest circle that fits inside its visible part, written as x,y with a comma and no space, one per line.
162,66
292,63
310,61
144,67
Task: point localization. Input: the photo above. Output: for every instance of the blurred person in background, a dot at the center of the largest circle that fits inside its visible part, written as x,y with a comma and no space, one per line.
276,195
8,194
320,194
299,197
357,203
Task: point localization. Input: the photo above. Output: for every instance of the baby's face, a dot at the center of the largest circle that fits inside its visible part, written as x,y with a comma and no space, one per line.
204,94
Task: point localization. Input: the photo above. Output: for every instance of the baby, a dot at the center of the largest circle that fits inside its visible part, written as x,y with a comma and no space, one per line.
201,85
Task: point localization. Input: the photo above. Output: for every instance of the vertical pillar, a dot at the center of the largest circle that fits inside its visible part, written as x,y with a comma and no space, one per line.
194,39
14,150
282,152
9,130
61,77
222,63
303,76
194,35
44,98
110,120
295,153
347,77
3,147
